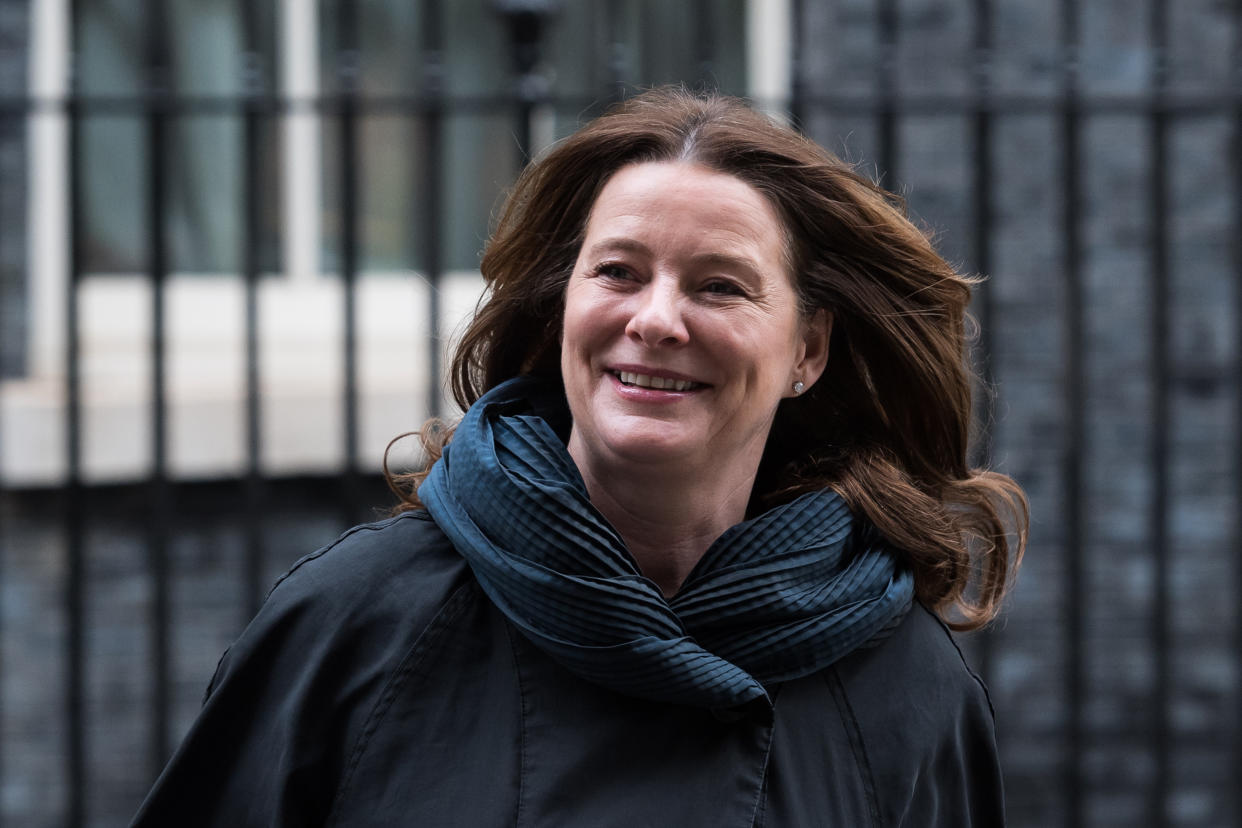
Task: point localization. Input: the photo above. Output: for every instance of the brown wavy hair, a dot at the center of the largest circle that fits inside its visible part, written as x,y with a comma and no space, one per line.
886,426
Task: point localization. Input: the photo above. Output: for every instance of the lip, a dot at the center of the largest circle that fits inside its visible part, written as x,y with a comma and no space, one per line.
662,373
641,394
638,394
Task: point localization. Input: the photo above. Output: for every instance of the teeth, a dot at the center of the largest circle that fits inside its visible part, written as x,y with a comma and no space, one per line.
661,383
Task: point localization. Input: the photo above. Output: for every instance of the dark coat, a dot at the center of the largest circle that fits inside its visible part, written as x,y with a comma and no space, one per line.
378,686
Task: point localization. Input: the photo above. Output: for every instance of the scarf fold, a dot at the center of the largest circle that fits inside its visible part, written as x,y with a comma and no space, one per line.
774,598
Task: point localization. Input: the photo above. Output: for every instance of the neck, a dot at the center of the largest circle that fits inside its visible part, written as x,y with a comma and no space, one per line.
666,520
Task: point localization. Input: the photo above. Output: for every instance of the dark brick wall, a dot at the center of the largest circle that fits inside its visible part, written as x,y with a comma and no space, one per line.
208,607
934,154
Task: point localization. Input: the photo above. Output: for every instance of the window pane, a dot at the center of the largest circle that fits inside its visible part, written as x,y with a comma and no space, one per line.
114,170
480,147
480,159
14,313
389,200
204,198
477,49
204,153
205,46
204,210
390,39
110,47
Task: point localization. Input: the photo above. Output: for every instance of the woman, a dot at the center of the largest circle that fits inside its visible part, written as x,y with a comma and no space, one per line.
680,562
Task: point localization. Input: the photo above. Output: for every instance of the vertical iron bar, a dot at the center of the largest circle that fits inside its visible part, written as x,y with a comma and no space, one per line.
522,130
526,22
432,189
348,77
524,40
618,65
1158,512
981,193
1236,156
886,119
75,493
4,116
797,52
981,185
254,84
156,109
523,134
646,23
1074,417
704,44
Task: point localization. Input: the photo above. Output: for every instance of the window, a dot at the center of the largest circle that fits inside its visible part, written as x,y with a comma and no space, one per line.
297,56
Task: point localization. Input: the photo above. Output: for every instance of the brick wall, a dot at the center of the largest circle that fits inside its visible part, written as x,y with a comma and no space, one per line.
934,155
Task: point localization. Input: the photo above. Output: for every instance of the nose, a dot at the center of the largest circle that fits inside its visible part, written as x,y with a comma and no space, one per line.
657,316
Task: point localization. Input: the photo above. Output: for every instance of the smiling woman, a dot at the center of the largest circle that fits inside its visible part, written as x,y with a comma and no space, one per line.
682,560
682,334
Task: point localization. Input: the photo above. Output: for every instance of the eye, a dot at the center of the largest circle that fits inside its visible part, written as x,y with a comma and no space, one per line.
723,287
614,272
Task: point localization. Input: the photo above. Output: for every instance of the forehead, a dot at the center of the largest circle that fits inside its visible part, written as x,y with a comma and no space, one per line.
688,205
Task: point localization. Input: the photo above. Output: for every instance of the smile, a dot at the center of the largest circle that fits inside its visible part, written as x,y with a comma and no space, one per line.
658,383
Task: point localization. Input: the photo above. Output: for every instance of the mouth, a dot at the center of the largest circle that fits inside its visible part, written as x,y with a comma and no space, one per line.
637,380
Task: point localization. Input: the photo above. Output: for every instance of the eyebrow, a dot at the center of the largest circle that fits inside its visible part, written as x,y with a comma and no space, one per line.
620,244
727,261
723,260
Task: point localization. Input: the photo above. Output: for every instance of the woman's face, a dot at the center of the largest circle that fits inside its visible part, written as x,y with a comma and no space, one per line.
682,330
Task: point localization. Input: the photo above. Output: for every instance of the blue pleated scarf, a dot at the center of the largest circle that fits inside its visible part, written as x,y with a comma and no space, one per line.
774,598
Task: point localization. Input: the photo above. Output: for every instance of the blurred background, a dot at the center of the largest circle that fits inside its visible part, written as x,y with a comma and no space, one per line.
237,236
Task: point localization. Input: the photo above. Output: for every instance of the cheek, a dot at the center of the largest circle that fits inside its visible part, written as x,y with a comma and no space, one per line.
590,317
575,336
571,323
578,343
770,365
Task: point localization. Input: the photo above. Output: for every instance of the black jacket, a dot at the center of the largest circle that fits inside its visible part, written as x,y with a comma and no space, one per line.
378,686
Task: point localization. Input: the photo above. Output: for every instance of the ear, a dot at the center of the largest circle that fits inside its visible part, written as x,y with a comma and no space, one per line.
813,349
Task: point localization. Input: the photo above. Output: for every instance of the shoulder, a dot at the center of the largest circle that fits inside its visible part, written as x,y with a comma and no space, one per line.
925,724
292,699
373,560
374,586
919,667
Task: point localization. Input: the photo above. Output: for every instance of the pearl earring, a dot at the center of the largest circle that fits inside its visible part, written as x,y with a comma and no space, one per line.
798,386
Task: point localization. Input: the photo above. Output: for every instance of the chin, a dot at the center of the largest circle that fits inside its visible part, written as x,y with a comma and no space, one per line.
643,446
